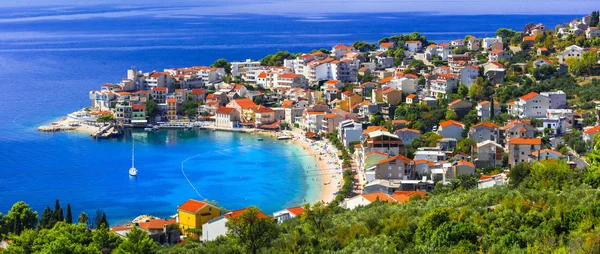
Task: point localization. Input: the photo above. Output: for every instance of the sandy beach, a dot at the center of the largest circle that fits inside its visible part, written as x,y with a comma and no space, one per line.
326,157
66,124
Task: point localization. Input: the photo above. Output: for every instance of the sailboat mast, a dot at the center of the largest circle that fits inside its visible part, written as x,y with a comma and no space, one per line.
132,152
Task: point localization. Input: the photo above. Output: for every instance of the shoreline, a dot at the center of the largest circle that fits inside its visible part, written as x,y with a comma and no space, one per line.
325,158
326,162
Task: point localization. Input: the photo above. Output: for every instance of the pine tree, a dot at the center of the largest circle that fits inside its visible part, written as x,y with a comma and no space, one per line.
69,216
46,218
60,214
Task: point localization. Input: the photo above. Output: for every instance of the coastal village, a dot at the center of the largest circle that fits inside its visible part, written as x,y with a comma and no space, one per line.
386,121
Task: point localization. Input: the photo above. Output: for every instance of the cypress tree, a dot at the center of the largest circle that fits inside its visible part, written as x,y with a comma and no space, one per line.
594,18
46,219
69,216
60,215
57,210
103,221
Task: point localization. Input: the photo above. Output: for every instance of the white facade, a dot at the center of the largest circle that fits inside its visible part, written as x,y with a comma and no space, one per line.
214,228
468,76
240,68
557,100
532,105
349,131
487,42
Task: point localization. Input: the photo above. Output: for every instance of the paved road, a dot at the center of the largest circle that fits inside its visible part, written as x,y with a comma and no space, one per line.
554,142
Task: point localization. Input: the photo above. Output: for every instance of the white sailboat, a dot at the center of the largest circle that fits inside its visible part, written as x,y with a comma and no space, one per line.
132,170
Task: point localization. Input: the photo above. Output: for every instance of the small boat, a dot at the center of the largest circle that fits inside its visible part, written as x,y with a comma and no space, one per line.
148,129
260,139
133,171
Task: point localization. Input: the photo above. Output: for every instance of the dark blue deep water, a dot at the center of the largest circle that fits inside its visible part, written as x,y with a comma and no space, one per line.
47,67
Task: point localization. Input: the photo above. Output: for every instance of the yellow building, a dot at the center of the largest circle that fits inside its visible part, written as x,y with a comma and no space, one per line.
193,213
172,109
346,105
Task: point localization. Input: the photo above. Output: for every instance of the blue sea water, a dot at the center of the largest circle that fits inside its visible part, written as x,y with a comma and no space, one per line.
47,67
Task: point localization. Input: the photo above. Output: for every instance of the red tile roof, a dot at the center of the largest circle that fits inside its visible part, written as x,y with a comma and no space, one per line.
451,122
263,109
298,210
245,103
592,130
385,80
461,163
410,96
197,91
525,141
262,75
162,89
496,51
225,110
529,38
386,44
192,205
171,100
383,197
404,196
486,124
342,46
288,76
529,96
157,224
237,213
393,158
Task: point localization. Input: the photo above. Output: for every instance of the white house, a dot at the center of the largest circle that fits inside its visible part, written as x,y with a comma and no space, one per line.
366,199
468,75
531,105
499,55
413,46
541,62
588,134
288,213
216,227
451,129
592,32
443,84
349,131
339,50
240,68
487,42
572,51
557,99
484,111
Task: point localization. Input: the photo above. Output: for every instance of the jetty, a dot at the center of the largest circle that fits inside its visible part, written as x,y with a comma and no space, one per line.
109,131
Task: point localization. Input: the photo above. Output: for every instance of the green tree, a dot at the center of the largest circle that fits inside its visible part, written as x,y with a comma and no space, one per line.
505,33
69,216
252,229
151,109
82,219
594,19
465,145
137,242
20,217
463,91
190,109
105,118
222,63
451,115
105,240
363,46
47,220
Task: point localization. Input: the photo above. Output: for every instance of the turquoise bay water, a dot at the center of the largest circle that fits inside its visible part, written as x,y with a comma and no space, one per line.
234,169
